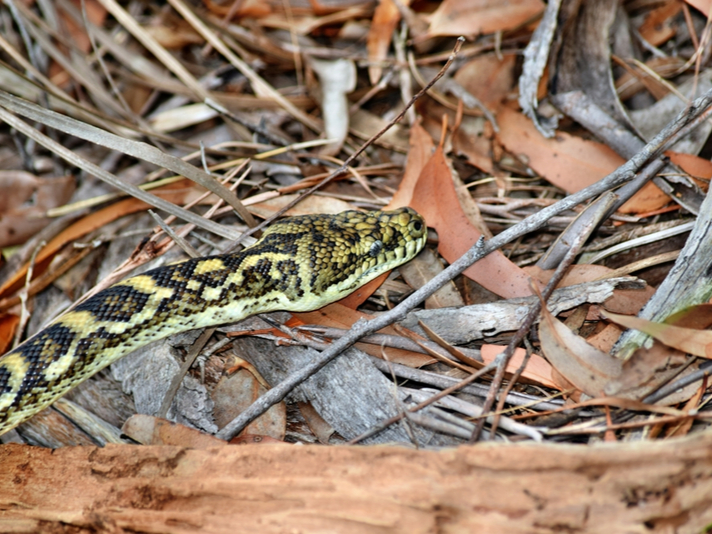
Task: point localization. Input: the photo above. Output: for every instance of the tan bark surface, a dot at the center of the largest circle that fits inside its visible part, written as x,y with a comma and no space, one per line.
622,488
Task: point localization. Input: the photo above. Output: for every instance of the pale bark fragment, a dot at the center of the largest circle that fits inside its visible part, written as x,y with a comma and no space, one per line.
647,487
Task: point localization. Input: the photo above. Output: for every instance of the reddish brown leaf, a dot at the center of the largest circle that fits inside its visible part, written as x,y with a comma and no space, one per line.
435,198
697,342
151,430
385,19
537,370
420,150
473,17
584,366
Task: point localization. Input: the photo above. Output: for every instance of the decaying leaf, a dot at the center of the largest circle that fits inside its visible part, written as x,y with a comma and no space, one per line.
586,367
435,198
697,342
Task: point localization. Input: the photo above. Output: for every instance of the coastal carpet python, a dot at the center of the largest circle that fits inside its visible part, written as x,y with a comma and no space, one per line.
299,264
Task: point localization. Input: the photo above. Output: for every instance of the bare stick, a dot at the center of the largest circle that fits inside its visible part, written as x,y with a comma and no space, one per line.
670,134
600,209
344,167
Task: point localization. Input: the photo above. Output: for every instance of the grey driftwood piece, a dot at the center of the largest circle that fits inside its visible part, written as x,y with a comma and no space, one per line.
349,392
470,323
689,282
147,374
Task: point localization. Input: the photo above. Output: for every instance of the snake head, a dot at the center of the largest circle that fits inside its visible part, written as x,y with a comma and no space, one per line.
317,259
359,246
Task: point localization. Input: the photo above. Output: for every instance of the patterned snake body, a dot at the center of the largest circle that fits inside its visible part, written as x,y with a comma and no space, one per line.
299,264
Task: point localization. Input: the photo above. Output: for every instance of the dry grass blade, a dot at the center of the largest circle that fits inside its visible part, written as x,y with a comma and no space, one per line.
128,147
91,168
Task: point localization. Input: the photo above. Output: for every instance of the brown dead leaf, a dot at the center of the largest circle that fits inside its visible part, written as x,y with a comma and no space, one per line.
385,19
473,140
684,426
174,37
537,370
648,370
606,338
176,193
570,162
566,161
703,5
245,8
253,439
690,340
649,199
420,150
625,301
488,78
586,367
24,200
474,17
659,25
421,270
95,13
233,394
435,199
8,324
150,430
310,205
316,423
339,316
358,297
695,166
698,317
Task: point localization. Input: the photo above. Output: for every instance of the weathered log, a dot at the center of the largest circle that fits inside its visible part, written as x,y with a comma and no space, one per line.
660,486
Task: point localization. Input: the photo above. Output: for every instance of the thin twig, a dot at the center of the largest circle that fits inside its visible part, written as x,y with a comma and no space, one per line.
670,134
599,208
345,165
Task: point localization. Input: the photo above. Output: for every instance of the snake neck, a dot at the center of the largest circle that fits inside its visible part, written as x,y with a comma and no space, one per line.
134,313
299,264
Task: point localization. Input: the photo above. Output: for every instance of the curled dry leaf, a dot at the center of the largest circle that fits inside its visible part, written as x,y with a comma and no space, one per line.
586,367
435,199
690,340
150,430
473,17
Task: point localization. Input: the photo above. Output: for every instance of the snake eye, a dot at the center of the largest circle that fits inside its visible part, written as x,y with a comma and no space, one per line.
417,226
376,248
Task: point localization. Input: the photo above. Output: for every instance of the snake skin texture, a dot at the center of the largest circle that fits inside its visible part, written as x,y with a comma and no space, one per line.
299,264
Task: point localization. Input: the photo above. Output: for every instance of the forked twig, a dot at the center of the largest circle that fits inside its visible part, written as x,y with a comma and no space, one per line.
699,111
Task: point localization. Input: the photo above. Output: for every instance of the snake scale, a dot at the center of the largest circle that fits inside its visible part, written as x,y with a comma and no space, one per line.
299,264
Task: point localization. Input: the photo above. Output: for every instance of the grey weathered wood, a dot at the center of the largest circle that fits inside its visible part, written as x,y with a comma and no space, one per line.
689,282
147,374
470,323
349,392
